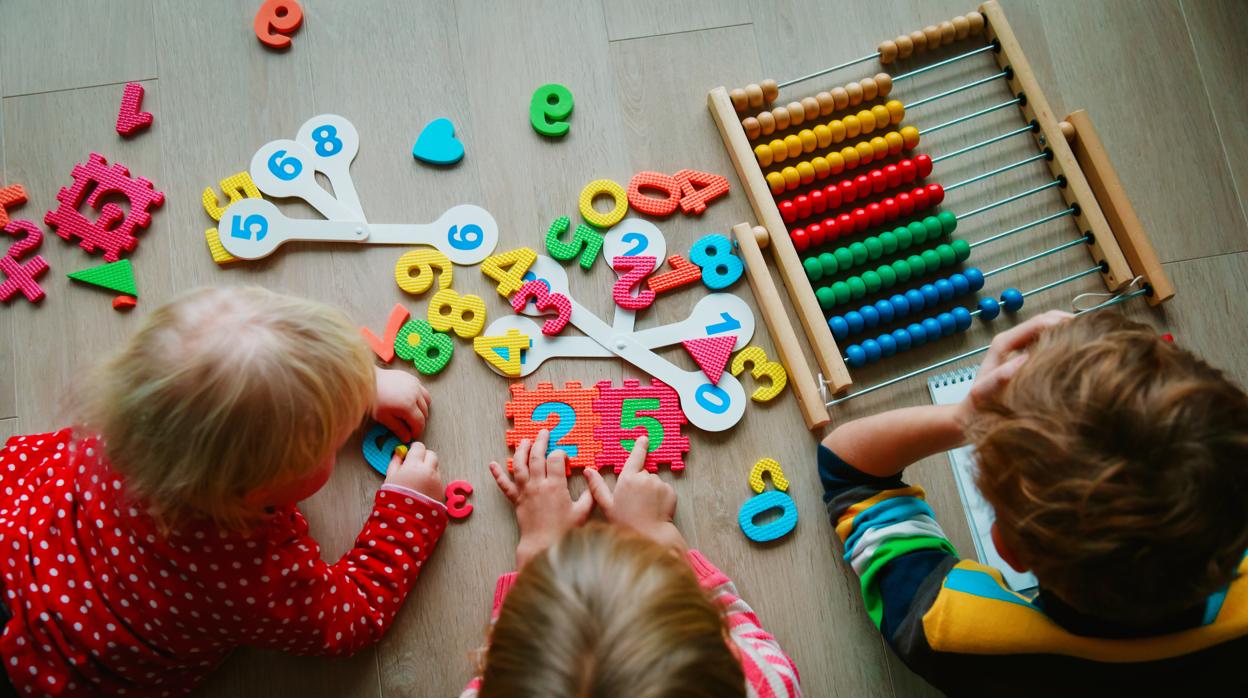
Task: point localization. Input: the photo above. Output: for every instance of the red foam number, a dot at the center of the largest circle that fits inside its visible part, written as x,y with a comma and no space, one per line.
11,196
649,205
281,16
384,347
131,118
457,504
699,189
18,276
113,232
683,272
537,292
636,269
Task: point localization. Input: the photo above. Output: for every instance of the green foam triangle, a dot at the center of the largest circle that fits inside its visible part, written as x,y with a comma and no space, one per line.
116,276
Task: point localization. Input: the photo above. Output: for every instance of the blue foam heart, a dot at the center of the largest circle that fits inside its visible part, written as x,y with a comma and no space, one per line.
437,144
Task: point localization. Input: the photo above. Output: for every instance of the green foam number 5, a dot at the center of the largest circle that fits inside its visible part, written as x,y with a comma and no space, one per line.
550,107
586,242
629,419
428,350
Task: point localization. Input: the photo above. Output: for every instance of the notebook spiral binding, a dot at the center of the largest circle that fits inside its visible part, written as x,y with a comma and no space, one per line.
959,375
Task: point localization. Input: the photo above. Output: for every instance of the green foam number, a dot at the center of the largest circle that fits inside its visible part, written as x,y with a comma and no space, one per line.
428,350
629,419
586,242
548,110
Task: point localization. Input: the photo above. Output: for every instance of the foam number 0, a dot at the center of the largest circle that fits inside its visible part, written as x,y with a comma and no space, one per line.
450,311
770,467
607,188
586,242
429,351
762,503
507,269
549,109
539,292
720,267
414,271
565,420
630,419
503,352
636,269
761,367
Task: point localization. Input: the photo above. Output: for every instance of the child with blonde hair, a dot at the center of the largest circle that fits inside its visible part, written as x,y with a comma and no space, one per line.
140,548
626,610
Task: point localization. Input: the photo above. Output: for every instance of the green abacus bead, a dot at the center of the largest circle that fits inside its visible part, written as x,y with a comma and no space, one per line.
814,270
961,250
875,248
948,221
934,229
918,232
840,292
825,297
946,255
888,276
872,281
857,288
905,238
902,268
888,242
844,260
931,259
828,263
917,266
859,251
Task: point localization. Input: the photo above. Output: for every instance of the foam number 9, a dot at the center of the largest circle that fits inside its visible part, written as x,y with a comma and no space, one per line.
720,267
429,351
761,367
629,419
465,237
586,242
565,420
281,16
548,110
450,311
414,271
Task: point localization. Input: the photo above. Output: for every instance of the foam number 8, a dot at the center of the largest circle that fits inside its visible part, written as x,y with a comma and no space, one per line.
284,168
762,503
720,267
466,314
466,237
414,271
629,419
548,110
761,367
254,225
326,139
586,242
516,262
565,420
428,351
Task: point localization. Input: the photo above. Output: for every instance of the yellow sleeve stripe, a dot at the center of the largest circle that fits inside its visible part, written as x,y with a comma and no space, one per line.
845,524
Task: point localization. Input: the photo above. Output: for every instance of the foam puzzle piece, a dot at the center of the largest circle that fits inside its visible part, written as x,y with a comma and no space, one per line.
648,204
115,276
437,143
414,271
761,503
772,468
603,187
694,199
631,410
384,347
574,426
236,187
379,446
711,354
11,196
683,272
114,231
760,367
124,302
586,242
720,267
19,276
550,108
507,269
635,270
503,352
131,118
274,20
429,351
457,494
540,294
465,314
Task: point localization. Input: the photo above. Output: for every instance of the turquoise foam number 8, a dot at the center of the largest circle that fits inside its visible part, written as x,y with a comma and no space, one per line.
761,503
327,142
254,225
720,267
712,398
629,419
284,168
566,420
468,237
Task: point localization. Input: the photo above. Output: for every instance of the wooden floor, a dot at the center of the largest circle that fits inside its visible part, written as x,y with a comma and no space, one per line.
1158,76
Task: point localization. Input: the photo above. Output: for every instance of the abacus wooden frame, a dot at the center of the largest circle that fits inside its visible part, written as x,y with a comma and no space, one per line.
1119,243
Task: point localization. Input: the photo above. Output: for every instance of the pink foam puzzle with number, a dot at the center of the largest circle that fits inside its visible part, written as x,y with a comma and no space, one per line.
632,410
114,231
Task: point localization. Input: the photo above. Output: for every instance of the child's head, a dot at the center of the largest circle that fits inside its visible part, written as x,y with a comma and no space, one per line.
606,614
1118,467
227,393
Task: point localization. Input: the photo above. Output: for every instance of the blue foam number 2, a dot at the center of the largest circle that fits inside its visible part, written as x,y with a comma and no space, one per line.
254,225
566,420
638,241
468,237
718,400
327,142
285,168
761,503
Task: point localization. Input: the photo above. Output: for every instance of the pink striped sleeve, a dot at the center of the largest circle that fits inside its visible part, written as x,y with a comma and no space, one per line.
504,584
769,672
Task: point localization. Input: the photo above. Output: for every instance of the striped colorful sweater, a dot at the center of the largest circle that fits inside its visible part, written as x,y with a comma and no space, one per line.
957,624
769,672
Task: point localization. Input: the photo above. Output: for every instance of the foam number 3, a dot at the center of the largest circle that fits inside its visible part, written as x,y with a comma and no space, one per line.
586,242
414,271
565,420
720,267
539,292
457,494
635,269
429,351
507,269
450,311
761,367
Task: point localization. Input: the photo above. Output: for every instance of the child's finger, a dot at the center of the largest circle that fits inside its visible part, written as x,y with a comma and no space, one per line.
504,482
557,465
415,452
395,461
520,462
581,508
1021,336
995,380
396,426
597,488
537,456
431,460
637,458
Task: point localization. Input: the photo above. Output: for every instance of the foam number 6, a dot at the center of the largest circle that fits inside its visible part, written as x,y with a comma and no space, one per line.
720,267
281,16
379,445
540,294
507,269
762,503
548,110
565,420
284,167
414,271
629,419
770,467
636,269
466,314
586,242
761,367
429,351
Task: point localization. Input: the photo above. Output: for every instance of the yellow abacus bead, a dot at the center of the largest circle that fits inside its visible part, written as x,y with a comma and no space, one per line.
852,127
933,36
836,163
869,89
762,151
823,135
962,27
812,107
905,46
855,93
947,32
751,126
866,120
826,104
896,110
822,168
919,39
894,141
888,52
739,100
779,151
794,145
805,172
976,21
840,98
791,177
883,117
770,90
850,156
879,148
797,113
910,137
767,122
755,94
884,82
808,140
776,182
837,127
782,118
865,152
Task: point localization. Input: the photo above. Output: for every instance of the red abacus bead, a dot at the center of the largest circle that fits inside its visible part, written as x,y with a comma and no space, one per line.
802,202
891,209
832,195
848,191
878,181
875,213
818,202
924,164
905,203
800,241
863,184
892,175
921,197
816,234
788,211
861,221
908,170
844,225
935,193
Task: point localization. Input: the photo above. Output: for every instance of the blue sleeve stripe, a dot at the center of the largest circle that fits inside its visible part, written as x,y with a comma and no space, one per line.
886,512
983,585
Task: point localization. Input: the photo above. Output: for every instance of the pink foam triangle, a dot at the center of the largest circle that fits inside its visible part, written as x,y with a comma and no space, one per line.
711,354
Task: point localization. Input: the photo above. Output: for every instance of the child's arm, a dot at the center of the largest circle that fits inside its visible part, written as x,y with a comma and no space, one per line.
884,444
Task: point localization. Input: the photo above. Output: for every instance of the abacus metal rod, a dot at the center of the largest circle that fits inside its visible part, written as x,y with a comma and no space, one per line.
825,71
988,207
1024,226
947,61
968,117
1042,156
954,91
981,144
1082,240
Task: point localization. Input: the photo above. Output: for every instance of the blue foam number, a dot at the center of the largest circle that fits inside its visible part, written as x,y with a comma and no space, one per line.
729,324
637,240
718,400
468,237
566,420
327,142
720,267
284,168
379,445
762,503
254,225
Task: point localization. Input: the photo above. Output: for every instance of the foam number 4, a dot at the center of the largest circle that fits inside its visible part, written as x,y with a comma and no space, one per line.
586,242
429,351
635,271
507,269
414,271
503,352
699,189
450,311
565,420
770,467
720,267
761,367
544,299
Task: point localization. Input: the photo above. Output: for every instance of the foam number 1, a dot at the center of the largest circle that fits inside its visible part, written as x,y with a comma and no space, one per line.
429,351
720,267
586,242
450,311
414,271
761,367
764,502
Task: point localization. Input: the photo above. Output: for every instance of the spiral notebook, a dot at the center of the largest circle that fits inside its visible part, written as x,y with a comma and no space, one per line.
949,388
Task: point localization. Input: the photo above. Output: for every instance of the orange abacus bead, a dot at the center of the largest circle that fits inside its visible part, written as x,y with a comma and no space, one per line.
811,105
885,82
869,89
888,51
947,32
755,95
976,21
840,98
920,41
961,27
752,127
797,113
739,101
780,118
933,36
855,93
905,47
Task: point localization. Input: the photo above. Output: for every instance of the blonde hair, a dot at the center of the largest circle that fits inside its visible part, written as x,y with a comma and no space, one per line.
605,614
1117,464
223,391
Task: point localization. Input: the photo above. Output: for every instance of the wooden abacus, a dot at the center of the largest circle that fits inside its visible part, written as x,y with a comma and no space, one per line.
790,219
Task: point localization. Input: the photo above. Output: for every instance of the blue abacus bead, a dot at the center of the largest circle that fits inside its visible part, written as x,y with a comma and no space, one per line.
989,308
930,295
854,318
901,306
961,285
885,310
1011,299
840,328
947,324
917,301
888,345
975,276
855,356
945,288
870,317
961,318
902,338
918,335
872,348
932,326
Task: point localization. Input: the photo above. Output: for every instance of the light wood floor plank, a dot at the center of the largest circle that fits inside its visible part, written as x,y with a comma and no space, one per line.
630,20
8,427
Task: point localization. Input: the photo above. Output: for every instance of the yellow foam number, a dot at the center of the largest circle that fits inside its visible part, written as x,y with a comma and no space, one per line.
507,269
772,468
502,352
762,366
219,255
414,270
603,187
465,314
236,187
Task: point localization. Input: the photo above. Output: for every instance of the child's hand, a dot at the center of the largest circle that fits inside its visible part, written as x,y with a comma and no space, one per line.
418,470
402,404
1005,356
640,501
544,510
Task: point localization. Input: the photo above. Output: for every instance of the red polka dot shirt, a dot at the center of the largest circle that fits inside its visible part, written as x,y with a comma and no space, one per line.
101,602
